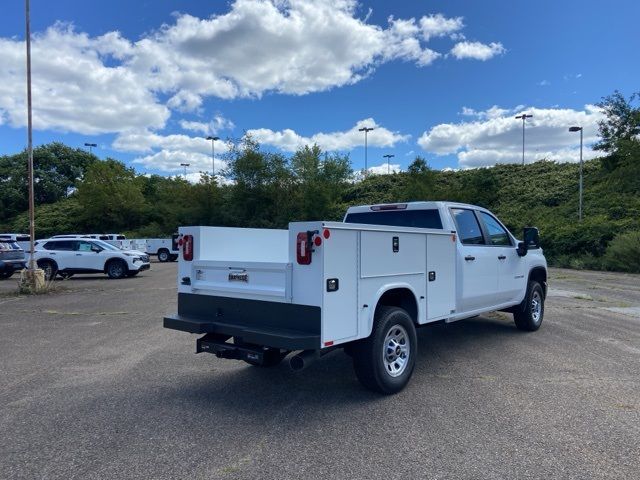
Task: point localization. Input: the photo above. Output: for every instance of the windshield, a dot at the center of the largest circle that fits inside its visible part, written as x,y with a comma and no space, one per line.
105,245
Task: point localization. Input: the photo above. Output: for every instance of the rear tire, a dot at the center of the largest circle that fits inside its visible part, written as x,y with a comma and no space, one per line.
385,361
529,315
50,269
163,255
116,269
7,274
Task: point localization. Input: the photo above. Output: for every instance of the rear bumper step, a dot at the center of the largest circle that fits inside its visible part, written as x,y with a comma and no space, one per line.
272,324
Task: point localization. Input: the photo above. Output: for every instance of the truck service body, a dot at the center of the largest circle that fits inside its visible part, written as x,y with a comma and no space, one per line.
363,284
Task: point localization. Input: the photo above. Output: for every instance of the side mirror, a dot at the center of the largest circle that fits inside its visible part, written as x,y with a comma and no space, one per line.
522,249
531,237
96,249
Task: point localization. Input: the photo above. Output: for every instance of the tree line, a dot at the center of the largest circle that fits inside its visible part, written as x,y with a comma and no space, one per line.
76,192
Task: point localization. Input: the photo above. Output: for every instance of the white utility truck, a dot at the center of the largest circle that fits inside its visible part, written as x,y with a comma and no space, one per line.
363,284
165,248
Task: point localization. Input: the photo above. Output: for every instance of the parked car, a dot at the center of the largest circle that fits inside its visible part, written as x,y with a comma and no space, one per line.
11,258
363,285
68,256
21,239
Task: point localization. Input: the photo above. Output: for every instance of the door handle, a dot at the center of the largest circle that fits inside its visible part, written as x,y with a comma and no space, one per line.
469,258
78,254
501,257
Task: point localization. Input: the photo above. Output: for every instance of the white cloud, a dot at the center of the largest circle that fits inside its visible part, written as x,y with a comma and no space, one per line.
438,25
73,89
215,126
108,83
170,160
383,169
493,138
477,50
544,83
289,140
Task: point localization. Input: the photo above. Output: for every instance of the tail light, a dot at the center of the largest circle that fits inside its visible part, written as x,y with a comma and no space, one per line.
187,247
304,247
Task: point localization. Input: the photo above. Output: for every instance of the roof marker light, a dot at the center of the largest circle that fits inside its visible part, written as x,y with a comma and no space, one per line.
390,206
326,233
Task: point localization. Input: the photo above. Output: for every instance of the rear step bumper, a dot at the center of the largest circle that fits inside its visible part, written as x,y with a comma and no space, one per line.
272,324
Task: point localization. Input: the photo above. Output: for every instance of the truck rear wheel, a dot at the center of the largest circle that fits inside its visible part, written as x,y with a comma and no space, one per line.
529,315
163,255
385,361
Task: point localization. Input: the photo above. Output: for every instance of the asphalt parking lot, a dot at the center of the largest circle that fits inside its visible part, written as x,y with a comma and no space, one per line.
92,386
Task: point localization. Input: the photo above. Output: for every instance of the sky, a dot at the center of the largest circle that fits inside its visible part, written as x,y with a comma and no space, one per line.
148,81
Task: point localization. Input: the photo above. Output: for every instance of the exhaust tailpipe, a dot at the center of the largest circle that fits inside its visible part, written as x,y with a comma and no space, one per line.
303,360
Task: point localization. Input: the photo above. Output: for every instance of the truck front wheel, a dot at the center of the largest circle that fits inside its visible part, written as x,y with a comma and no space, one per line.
384,362
528,316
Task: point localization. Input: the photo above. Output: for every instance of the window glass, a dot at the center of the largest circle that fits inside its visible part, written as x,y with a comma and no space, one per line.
84,247
398,218
468,227
65,245
497,234
120,237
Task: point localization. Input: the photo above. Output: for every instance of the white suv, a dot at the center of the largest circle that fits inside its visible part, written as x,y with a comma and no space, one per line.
66,256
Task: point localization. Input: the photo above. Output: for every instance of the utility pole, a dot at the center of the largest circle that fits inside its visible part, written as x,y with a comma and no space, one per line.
30,149
579,129
213,155
366,130
388,156
524,116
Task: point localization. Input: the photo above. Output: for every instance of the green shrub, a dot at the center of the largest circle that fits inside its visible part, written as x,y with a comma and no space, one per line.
623,253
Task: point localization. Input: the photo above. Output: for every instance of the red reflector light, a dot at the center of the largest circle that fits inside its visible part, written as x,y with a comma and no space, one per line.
187,247
328,344
394,206
326,233
303,250
317,241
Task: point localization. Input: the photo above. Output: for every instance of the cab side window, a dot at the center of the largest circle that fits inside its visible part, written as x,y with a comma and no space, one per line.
469,229
497,234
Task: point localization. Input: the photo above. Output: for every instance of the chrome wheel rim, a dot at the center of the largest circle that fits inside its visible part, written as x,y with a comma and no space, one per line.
396,351
536,307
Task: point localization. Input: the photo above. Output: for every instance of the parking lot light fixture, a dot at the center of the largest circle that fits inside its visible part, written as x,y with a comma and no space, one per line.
524,117
366,130
185,165
90,145
579,129
213,155
388,156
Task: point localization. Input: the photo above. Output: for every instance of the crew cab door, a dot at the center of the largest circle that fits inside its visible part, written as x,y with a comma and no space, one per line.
477,268
511,274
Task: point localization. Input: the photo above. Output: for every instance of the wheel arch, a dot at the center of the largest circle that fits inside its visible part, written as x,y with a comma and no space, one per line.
401,295
111,259
539,274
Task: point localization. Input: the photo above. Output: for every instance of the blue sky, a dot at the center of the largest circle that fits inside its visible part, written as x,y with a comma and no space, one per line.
146,80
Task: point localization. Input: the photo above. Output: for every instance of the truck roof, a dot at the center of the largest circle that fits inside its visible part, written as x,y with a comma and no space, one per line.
410,206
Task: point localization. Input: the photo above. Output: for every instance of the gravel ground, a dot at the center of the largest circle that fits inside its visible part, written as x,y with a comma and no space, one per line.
92,386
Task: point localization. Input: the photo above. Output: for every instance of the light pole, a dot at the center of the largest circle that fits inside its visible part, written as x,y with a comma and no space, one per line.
524,116
32,228
213,155
90,145
579,129
388,156
185,165
366,130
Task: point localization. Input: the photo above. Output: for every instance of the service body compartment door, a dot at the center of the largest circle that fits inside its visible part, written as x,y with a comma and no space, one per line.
269,281
441,276
340,285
